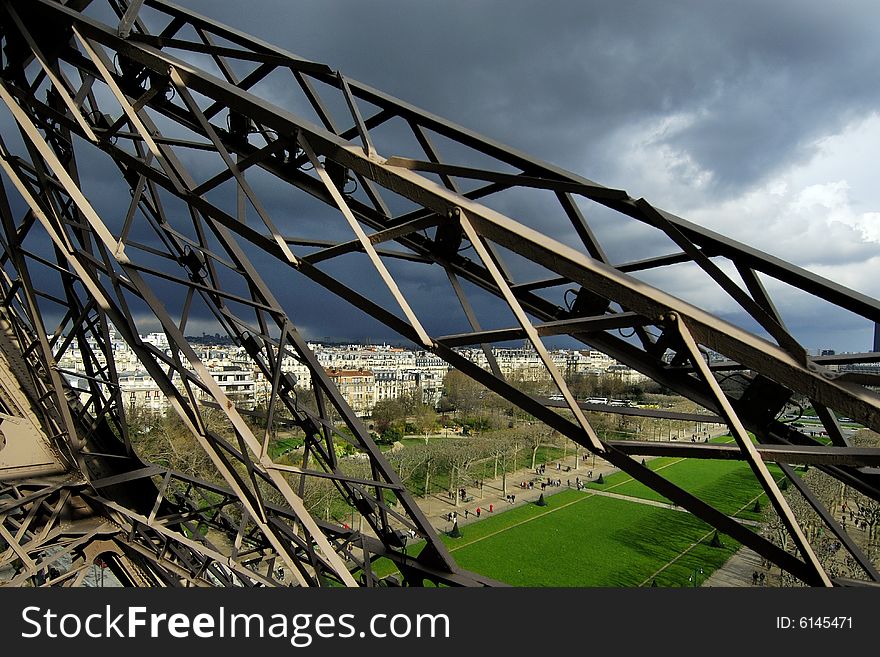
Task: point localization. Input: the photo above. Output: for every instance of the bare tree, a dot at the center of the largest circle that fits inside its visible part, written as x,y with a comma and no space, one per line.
411,462
835,559
500,447
457,457
868,509
533,436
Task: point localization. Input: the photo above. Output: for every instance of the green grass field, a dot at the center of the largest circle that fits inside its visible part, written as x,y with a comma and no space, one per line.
729,486
582,539
589,540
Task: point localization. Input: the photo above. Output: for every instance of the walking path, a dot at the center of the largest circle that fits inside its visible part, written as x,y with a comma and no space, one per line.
570,471
492,495
740,569
662,505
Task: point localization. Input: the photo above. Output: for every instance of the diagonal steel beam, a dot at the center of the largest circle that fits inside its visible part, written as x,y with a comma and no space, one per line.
753,458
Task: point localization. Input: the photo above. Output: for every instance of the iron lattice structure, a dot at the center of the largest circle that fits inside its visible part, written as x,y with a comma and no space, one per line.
82,81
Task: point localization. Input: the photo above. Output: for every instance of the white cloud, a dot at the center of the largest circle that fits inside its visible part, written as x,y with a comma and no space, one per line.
822,214
655,169
823,211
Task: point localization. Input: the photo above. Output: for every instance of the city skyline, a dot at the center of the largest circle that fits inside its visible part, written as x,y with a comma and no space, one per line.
365,374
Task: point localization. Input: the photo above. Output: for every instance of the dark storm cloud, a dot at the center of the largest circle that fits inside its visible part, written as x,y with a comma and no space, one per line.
564,80
752,85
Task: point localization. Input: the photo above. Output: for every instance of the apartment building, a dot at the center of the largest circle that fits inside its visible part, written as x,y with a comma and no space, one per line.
358,388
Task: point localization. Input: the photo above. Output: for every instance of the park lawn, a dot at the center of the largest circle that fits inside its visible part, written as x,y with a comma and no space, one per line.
600,541
279,448
729,486
500,520
587,540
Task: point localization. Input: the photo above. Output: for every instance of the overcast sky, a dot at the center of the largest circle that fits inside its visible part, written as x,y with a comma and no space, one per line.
756,119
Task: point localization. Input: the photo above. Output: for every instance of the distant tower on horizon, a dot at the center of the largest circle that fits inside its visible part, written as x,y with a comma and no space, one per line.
876,336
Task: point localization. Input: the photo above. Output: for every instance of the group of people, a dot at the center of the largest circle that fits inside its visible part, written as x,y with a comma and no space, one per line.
462,493
758,578
858,521
452,516
578,484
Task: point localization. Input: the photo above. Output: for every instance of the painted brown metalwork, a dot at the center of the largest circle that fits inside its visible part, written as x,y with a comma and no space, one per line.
196,239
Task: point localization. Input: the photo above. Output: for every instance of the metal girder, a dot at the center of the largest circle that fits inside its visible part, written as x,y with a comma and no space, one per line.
79,88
